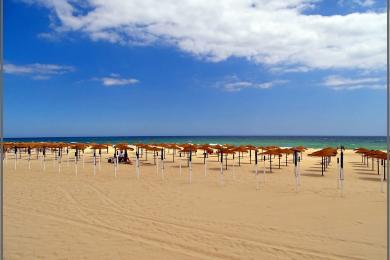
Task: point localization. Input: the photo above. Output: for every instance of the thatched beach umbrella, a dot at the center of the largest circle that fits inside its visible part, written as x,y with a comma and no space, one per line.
361,151
300,149
271,152
286,151
189,149
250,148
99,148
58,147
325,155
173,147
78,147
226,152
5,147
29,147
383,157
240,150
373,155
206,151
123,147
217,148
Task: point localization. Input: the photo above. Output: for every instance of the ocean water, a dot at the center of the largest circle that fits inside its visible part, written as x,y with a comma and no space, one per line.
350,142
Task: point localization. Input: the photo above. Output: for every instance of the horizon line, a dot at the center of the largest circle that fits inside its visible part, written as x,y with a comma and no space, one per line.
118,136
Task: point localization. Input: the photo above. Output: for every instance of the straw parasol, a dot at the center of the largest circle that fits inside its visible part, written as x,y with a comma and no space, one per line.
361,151
240,150
325,155
286,151
251,148
154,149
271,152
189,149
173,147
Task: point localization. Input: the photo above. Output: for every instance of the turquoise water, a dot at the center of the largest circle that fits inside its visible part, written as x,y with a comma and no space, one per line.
350,142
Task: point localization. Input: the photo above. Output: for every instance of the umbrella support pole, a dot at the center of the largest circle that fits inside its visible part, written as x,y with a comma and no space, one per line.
384,176
76,170
29,163
226,159
156,168
377,162
264,171
339,174
137,170
100,162
205,168
299,173
115,166
286,159
296,178
117,160
234,173
180,167
190,172
162,169
257,177
384,170
341,181
59,165
221,174
94,166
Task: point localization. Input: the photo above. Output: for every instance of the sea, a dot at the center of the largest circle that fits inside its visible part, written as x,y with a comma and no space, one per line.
349,142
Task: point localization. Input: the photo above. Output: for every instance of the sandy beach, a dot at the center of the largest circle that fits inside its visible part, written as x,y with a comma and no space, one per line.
52,214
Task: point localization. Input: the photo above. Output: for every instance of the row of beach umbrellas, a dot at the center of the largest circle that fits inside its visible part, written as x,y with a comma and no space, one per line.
186,152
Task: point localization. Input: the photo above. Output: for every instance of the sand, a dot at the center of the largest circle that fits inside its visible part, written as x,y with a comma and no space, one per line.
58,215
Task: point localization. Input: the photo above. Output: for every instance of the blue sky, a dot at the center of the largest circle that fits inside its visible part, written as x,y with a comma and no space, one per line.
296,67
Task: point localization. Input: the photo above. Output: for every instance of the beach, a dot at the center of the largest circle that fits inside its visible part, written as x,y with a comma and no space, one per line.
56,214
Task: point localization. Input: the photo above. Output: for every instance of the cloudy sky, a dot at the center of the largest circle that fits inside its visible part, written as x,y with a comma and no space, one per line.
195,67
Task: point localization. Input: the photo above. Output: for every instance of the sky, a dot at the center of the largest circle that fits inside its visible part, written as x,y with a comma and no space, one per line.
194,67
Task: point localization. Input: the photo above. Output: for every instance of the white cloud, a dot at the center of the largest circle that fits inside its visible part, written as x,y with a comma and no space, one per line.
234,84
363,3
116,80
292,69
37,70
340,83
266,32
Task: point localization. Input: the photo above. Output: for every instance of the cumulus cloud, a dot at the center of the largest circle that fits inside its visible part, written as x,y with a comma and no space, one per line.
234,84
38,71
363,3
116,80
340,83
273,33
